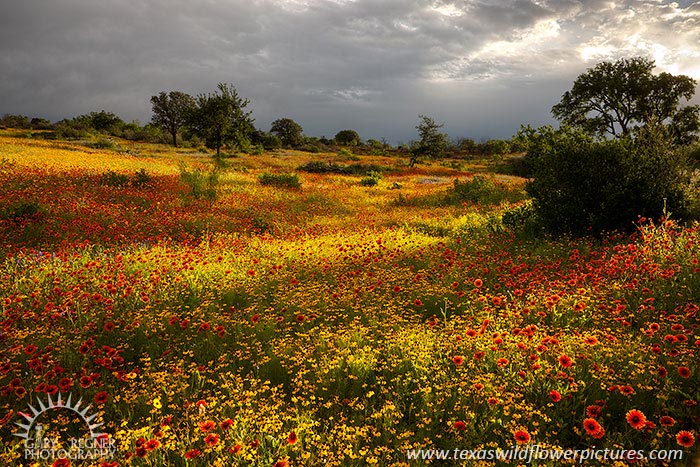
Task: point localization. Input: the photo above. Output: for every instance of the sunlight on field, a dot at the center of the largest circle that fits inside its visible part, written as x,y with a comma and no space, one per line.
333,324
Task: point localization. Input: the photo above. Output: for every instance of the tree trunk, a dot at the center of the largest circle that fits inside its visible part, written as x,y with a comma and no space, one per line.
174,138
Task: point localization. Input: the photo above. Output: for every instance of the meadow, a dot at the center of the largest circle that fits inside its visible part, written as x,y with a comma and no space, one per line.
219,313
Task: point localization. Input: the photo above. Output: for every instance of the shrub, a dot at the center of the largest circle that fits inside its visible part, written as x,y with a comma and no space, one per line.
582,185
115,179
141,179
22,211
202,185
347,138
372,179
280,180
477,189
101,143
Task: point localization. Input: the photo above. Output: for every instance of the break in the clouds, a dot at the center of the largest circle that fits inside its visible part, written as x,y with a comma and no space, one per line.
482,67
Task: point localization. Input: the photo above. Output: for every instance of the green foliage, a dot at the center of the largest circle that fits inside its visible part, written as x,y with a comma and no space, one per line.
267,140
15,121
202,185
171,111
119,180
220,118
141,179
581,185
280,180
102,121
484,190
101,143
372,179
332,167
347,138
115,179
288,131
432,142
522,218
22,211
616,97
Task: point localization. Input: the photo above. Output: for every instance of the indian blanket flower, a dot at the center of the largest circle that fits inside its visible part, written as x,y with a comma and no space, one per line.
521,437
565,361
636,419
685,438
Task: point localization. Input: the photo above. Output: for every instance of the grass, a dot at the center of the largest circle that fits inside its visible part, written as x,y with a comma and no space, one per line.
331,325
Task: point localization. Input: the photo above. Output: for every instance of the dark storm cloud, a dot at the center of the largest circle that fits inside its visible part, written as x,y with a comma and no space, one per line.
481,66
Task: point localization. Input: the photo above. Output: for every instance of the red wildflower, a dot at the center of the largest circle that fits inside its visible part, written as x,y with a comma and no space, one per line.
207,426
61,463
101,397
212,439
554,395
152,444
30,349
565,361
592,426
685,439
396,289
459,425
458,360
636,419
667,421
594,411
418,302
522,437
684,372
226,424
292,438
192,454
478,283
281,463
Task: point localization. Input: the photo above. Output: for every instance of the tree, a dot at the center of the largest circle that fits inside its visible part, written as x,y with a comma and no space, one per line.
432,143
220,118
102,121
171,111
581,185
347,138
616,97
288,131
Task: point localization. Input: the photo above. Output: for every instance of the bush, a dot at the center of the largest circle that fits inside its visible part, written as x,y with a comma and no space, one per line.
582,185
202,185
371,179
141,179
280,180
101,143
115,179
22,211
478,189
332,167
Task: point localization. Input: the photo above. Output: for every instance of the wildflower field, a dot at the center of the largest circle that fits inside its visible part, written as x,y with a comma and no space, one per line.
214,320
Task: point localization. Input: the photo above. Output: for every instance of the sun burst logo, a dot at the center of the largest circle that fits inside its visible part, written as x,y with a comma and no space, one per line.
83,413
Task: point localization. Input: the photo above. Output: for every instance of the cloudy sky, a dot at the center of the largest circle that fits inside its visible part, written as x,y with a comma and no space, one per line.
483,67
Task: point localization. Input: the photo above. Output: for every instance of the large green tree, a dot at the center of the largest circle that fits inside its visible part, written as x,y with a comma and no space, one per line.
616,97
171,110
220,118
288,131
432,143
347,138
